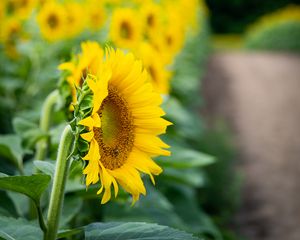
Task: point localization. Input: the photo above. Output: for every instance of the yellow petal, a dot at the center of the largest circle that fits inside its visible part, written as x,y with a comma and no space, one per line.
87,136
88,122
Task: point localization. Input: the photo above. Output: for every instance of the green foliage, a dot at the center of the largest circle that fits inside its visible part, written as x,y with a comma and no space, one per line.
173,202
46,167
234,16
18,229
11,149
28,131
32,186
223,184
283,37
133,231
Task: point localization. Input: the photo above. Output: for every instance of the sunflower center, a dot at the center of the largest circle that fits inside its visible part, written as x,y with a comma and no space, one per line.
125,30
169,40
152,73
150,20
116,135
52,21
23,3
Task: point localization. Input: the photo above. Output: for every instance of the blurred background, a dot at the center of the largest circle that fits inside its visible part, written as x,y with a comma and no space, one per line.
234,101
251,86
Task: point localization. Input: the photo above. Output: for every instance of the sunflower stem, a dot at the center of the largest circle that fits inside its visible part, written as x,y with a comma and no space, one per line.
41,146
59,182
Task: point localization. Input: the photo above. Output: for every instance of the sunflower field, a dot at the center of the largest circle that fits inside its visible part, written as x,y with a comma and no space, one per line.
102,133
100,130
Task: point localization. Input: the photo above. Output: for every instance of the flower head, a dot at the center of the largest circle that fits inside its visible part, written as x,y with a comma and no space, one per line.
123,126
96,14
83,64
52,21
155,66
126,29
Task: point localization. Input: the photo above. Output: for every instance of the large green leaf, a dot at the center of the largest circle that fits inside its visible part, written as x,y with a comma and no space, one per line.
134,231
18,229
32,186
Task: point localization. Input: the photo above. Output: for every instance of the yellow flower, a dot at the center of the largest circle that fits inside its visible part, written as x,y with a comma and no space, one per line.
123,127
21,8
96,14
85,63
126,28
155,66
52,21
170,40
2,11
10,29
11,32
152,17
76,18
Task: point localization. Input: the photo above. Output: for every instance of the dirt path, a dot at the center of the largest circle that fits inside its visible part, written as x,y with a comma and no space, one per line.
258,94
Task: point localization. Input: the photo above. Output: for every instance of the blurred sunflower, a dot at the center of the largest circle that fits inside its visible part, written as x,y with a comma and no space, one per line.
21,8
52,21
85,63
151,15
76,18
2,12
155,66
11,31
96,14
123,127
126,28
169,40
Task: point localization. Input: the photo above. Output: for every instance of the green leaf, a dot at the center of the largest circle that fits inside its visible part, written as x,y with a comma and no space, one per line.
22,125
45,166
32,186
18,229
7,207
11,148
197,220
29,131
162,212
69,232
191,177
186,158
134,231
72,206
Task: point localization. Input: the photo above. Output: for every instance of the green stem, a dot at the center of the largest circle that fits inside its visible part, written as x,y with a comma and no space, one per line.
41,146
59,182
41,218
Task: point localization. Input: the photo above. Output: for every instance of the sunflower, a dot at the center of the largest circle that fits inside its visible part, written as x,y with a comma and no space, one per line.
75,18
151,14
155,66
52,21
126,28
85,63
96,14
2,11
169,40
123,127
21,8
10,33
